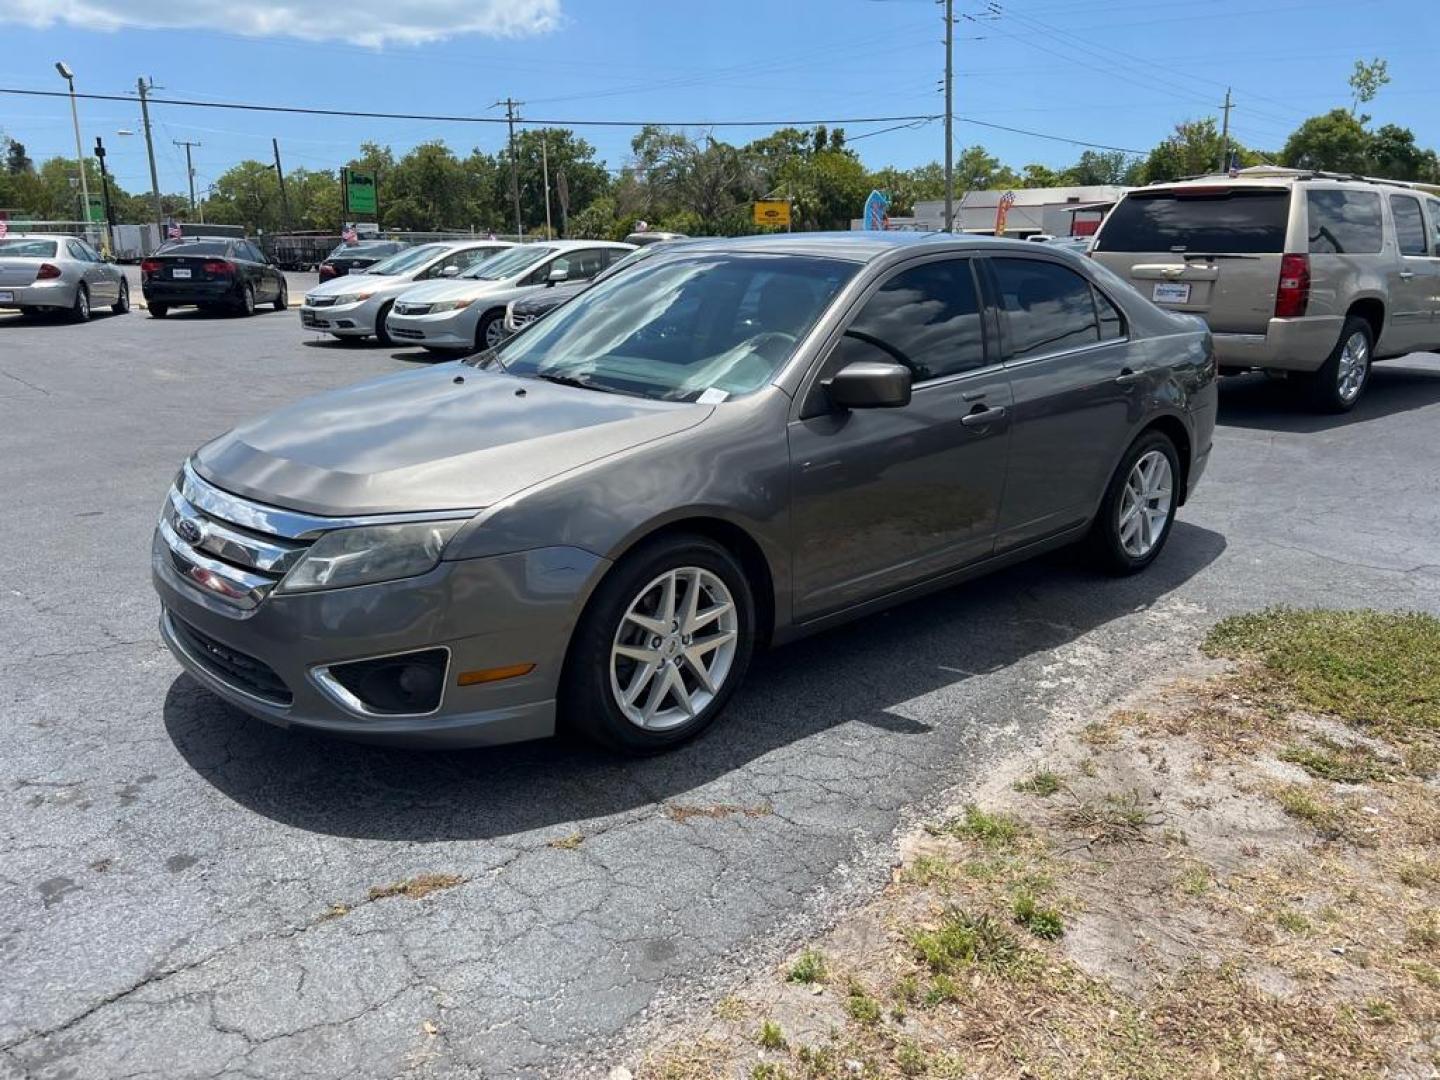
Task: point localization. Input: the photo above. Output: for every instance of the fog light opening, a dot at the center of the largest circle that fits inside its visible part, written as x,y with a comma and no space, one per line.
406,684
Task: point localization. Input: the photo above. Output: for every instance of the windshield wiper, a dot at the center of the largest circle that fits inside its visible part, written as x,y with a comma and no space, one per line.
487,354
571,380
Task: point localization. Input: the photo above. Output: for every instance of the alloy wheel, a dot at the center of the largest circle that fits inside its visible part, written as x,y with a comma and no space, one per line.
1145,503
82,304
674,648
494,332
1354,367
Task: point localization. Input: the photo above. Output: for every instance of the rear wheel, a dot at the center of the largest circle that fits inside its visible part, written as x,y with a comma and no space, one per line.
247,300
663,643
382,332
159,311
1337,386
1139,506
122,302
80,312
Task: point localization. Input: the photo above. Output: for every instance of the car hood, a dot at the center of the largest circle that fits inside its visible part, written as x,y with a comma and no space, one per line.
424,440
467,289
359,283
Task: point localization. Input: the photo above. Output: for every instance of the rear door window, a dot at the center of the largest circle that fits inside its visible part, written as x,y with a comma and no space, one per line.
1409,224
1048,307
1344,222
1432,207
1231,220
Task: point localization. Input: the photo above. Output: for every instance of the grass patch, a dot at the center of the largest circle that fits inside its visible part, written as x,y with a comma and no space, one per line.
1328,760
808,968
1041,782
770,1036
1194,880
863,1008
1292,921
992,830
1379,669
417,887
963,940
928,870
1045,923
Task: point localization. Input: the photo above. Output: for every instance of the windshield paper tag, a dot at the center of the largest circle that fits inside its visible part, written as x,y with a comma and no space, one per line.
712,397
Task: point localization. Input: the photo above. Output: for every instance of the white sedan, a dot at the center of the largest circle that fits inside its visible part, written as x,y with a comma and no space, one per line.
467,314
357,305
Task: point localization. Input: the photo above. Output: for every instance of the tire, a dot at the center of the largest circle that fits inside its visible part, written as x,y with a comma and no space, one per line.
486,328
596,675
1342,379
247,301
282,298
159,311
80,312
382,334
122,303
1123,539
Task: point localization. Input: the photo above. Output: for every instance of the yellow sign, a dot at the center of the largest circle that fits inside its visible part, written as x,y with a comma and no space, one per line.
772,212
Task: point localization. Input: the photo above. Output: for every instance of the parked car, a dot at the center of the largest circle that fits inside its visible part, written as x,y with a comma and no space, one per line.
526,308
468,313
347,258
41,272
358,305
1307,274
214,275
736,442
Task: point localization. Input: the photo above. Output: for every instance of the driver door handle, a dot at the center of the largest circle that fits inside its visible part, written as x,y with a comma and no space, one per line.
983,416
1130,378
1406,275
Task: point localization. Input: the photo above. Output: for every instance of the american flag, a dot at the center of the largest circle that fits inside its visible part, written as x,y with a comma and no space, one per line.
172,231
348,235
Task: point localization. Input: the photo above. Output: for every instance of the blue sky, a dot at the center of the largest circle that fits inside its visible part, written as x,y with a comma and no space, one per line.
1117,72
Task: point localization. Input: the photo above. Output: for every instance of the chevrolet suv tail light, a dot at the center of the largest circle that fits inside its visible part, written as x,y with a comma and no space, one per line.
1293,294
47,270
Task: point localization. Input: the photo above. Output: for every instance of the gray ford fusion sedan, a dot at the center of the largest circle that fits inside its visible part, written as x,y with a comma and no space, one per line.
731,444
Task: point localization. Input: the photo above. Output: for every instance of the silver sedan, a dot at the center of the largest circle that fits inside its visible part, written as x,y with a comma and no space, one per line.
45,272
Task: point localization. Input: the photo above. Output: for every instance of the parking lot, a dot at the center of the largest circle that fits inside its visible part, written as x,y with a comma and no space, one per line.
189,892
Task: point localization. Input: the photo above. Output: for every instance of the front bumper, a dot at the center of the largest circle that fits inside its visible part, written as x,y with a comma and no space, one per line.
444,330
488,613
49,293
1301,344
342,320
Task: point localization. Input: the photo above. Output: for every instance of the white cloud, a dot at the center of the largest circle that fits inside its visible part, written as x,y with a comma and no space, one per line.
362,22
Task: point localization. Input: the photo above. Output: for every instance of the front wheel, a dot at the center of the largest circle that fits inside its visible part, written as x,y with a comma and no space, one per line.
122,302
159,311
663,643
382,331
491,330
1337,386
1139,506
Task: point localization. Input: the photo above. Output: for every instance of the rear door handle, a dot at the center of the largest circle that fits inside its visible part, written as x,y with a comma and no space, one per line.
1406,275
1129,378
983,416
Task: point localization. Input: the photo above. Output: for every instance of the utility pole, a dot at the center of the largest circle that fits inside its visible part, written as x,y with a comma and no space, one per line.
280,176
949,115
144,88
1225,134
189,168
545,175
510,105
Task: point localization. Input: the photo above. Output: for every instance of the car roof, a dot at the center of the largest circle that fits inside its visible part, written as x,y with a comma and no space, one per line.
571,245
858,246
13,235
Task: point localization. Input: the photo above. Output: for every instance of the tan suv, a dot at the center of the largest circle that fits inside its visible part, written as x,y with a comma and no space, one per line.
1306,273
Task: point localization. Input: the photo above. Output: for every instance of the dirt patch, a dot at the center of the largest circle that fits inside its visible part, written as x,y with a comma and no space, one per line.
683,812
417,887
1233,875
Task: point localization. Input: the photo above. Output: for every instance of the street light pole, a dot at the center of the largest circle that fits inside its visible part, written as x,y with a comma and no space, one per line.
69,77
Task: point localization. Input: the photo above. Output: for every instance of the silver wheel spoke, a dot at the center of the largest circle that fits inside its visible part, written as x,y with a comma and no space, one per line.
636,652
704,618
646,623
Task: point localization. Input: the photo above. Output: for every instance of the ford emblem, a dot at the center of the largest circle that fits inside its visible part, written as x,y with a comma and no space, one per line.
189,530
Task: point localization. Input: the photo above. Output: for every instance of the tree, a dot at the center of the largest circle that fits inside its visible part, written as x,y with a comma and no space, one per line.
978,170
428,190
246,194
1393,154
1195,147
16,159
1097,167
1039,176
1366,81
1337,142
568,155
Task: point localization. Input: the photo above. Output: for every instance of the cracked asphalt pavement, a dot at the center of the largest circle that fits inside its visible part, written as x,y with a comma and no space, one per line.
187,893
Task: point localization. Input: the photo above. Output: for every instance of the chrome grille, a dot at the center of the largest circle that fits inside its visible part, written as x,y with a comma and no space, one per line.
411,309
319,301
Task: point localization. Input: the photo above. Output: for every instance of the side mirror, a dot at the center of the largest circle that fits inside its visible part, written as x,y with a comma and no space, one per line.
869,384
558,274
450,271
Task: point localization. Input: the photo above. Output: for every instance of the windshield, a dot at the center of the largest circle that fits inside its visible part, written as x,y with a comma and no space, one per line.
203,247
1238,221
367,248
410,259
629,260
675,328
509,264
30,249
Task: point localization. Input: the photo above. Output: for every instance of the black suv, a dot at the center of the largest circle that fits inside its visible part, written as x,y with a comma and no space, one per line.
213,275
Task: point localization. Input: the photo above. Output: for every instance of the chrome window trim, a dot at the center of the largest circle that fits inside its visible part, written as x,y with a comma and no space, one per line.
1061,353
332,688
177,641
292,524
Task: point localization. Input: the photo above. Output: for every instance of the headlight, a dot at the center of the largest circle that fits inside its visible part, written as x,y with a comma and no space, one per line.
449,305
352,297
368,554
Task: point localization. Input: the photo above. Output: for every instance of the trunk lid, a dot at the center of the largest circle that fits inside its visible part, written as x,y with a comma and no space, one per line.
1211,250
19,271
188,268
